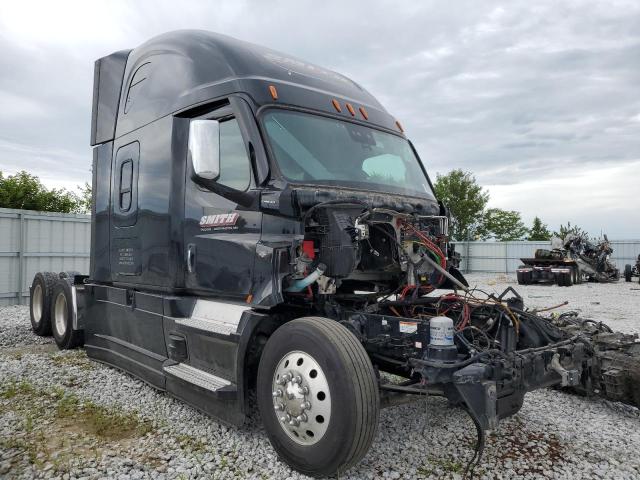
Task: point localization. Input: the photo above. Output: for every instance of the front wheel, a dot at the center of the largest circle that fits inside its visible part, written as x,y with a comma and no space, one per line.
318,396
627,273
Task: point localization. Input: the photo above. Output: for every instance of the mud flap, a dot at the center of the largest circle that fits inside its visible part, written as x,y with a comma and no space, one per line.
478,393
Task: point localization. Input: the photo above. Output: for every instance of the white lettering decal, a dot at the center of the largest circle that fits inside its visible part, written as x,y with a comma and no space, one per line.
219,220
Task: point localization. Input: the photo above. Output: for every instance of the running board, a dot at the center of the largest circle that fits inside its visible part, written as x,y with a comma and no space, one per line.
197,377
211,316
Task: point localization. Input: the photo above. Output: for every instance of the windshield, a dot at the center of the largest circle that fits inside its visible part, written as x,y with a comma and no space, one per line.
314,149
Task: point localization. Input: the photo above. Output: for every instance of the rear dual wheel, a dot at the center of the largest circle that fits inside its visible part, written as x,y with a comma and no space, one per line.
564,279
62,313
318,396
40,302
576,275
524,278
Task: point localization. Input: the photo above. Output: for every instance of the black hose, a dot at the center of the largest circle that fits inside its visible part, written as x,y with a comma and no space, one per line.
413,390
464,363
479,450
410,303
547,347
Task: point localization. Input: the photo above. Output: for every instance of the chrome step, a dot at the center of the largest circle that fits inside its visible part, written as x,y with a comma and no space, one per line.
217,317
197,377
208,325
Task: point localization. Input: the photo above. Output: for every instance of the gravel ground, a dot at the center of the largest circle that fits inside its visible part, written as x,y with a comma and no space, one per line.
64,416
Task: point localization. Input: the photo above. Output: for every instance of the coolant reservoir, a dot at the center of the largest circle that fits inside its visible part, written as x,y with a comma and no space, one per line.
441,331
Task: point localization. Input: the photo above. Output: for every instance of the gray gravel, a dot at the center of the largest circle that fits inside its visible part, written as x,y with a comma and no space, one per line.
15,328
555,435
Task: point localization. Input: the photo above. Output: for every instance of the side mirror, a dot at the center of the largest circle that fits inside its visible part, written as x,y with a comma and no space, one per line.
204,148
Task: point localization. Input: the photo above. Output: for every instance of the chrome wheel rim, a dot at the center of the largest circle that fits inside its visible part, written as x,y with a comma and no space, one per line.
301,398
60,314
37,304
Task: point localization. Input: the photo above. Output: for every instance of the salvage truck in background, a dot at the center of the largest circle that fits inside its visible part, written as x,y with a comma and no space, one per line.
570,261
263,223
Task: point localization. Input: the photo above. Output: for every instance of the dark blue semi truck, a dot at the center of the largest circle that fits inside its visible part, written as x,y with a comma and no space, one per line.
262,223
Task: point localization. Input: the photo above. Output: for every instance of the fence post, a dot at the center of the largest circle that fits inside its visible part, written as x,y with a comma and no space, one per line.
506,258
468,262
20,257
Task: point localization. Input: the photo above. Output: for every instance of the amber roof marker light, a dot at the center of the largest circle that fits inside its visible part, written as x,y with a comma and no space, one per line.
399,126
336,105
364,113
351,110
273,92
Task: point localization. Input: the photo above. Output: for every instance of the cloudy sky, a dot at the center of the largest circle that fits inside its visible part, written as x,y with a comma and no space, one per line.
540,100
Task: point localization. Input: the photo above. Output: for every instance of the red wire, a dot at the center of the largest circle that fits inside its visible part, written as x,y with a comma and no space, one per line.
435,249
430,245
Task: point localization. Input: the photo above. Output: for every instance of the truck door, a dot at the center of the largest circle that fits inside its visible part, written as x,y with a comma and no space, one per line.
220,235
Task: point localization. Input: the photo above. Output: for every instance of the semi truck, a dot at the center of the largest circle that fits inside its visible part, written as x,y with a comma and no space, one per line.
263,231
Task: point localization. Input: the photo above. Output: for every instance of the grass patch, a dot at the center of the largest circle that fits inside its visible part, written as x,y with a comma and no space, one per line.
73,358
13,388
29,446
436,464
102,421
191,443
55,429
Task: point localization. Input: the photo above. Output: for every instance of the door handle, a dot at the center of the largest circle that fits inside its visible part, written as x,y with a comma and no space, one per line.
191,258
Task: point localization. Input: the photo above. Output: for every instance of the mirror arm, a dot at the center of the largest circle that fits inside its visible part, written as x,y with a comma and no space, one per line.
245,199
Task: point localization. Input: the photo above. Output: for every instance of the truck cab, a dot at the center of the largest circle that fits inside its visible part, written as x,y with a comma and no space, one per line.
262,222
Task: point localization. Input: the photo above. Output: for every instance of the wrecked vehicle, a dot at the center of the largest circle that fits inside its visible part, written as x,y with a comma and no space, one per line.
614,366
574,260
631,271
260,223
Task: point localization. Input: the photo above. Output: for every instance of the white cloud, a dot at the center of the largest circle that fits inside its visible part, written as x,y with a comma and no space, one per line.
517,92
600,199
15,106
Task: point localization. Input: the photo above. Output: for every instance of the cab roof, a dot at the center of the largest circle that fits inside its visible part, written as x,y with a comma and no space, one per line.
179,70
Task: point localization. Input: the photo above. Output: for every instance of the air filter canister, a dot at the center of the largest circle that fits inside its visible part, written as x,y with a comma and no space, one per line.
441,331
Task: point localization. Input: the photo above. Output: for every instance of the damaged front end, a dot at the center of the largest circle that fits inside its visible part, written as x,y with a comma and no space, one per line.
380,272
494,352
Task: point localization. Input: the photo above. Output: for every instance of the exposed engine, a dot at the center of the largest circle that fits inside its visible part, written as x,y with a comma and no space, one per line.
347,248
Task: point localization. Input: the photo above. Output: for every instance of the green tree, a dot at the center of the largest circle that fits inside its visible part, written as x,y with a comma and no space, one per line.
85,199
466,200
539,230
502,225
26,191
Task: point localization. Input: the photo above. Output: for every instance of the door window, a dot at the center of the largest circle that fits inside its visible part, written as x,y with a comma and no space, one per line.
234,161
126,184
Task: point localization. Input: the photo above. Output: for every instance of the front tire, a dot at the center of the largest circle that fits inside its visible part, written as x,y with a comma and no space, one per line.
316,363
627,273
62,317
